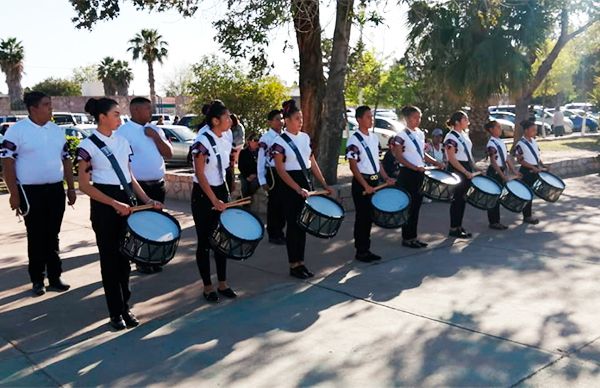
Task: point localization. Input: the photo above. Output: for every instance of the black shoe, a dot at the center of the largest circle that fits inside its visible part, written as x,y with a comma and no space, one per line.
38,288
228,293
277,240
58,285
157,268
411,244
145,269
364,257
130,319
211,297
298,272
422,244
458,233
531,220
498,226
468,234
374,257
307,272
117,323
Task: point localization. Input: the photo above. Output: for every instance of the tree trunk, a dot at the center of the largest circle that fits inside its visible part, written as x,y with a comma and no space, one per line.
15,90
334,120
151,82
312,82
123,89
478,116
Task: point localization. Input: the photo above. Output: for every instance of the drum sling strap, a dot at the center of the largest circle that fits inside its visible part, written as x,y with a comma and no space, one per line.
115,165
292,145
367,150
501,153
537,160
461,140
412,138
213,145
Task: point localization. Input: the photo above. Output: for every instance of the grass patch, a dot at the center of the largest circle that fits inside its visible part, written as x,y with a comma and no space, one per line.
572,144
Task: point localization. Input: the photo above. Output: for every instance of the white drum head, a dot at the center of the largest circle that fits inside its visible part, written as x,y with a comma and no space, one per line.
519,189
442,176
390,200
487,185
241,224
552,180
153,226
325,206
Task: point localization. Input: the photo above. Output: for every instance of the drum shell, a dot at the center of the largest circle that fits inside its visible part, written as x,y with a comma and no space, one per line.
140,250
318,224
436,190
391,220
234,247
480,199
546,191
512,202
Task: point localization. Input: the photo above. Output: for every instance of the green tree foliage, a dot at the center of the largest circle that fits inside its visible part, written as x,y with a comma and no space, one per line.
12,55
116,75
148,46
58,87
248,96
83,74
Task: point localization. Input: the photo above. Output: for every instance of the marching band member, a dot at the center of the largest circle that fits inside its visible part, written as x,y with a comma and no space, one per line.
528,155
460,160
150,146
210,153
269,180
409,149
35,161
500,163
293,157
362,152
113,192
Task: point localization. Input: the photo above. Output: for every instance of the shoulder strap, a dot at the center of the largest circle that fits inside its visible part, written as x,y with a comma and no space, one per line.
500,152
537,160
292,145
461,140
213,145
367,150
115,165
411,137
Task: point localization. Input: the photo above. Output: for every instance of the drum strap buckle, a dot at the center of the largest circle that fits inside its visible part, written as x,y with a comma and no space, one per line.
373,178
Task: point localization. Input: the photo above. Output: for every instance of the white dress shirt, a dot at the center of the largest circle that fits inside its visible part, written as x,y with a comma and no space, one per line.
211,169
356,151
302,142
147,164
102,171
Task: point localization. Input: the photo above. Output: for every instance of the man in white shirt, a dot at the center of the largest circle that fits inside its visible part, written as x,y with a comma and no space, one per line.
558,122
150,146
35,160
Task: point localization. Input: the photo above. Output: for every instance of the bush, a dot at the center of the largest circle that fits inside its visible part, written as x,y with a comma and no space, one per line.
72,144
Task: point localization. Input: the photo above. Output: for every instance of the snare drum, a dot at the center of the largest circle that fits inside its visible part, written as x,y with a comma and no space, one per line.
515,195
238,233
548,186
390,207
321,216
483,193
439,185
151,237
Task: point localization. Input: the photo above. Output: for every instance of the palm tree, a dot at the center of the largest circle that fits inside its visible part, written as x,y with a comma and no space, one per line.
106,74
148,45
11,63
123,77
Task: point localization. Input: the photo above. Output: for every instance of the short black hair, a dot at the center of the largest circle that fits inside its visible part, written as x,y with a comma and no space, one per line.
490,124
139,101
33,98
527,124
361,110
409,110
273,113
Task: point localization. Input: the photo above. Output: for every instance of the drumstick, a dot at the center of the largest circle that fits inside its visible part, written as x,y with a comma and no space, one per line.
142,207
381,186
322,192
475,173
241,200
234,204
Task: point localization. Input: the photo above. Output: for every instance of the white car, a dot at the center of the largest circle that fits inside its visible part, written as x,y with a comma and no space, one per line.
385,113
167,119
383,134
512,117
547,119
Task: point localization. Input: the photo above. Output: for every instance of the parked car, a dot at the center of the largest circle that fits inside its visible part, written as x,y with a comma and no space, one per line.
547,119
181,139
79,133
576,116
4,127
385,113
502,108
383,134
508,127
11,118
388,123
512,117
188,121
167,119
585,106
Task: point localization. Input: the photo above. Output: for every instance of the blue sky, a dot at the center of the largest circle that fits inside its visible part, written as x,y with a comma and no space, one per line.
54,47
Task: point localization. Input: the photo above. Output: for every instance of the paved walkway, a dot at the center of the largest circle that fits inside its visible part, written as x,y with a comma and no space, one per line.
515,307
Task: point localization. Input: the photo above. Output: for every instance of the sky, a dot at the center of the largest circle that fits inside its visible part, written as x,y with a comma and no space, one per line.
54,47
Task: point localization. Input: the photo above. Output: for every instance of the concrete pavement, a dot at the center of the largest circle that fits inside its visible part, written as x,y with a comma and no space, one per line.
512,307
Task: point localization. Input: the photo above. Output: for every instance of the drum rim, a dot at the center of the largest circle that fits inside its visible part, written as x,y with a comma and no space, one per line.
555,176
489,179
451,173
325,215
397,211
524,184
262,229
134,233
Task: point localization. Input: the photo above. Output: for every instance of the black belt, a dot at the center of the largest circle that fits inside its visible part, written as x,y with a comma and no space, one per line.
371,177
154,182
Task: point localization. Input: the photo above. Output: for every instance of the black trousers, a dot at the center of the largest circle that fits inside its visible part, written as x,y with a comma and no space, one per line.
46,210
529,178
494,213
363,218
411,181
206,220
457,207
229,177
295,237
114,266
275,205
157,192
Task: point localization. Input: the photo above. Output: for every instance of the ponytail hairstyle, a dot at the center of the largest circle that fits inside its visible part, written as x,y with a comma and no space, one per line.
289,108
525,124
455,118
98,106
213,110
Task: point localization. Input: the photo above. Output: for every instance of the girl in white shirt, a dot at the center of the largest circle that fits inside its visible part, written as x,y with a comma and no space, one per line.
110,205
528,155
296,186
210,153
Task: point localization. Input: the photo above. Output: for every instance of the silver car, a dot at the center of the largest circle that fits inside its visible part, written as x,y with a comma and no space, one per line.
181,139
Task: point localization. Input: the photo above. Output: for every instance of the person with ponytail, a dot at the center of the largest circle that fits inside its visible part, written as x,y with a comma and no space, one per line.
528,155
460,161
210,155
110,203
294,174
